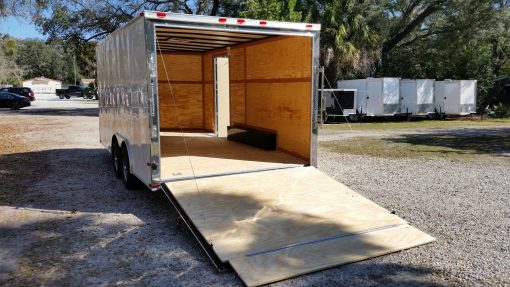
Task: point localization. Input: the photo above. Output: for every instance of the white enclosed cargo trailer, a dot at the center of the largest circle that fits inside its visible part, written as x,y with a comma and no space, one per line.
360,85
376,96
455,97
221,114
417,96
337,103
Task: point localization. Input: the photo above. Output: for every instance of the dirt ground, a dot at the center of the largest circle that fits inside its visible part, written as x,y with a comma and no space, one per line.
65,220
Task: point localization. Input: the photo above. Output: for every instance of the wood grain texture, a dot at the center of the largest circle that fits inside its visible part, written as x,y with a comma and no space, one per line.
288,57
271,267
284,107
237,64
208,67
180,67
209,107
237,103
246,213
211,155
186,112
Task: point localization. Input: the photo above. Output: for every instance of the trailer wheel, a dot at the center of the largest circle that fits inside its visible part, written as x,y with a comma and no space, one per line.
67,97
130,181
61,96
116,159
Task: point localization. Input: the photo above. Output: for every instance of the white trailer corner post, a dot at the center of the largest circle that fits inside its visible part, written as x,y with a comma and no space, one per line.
417,96
254,199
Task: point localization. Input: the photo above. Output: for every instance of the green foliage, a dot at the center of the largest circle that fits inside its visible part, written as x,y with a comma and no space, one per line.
10,72
55,60
90,89
271,10
501,111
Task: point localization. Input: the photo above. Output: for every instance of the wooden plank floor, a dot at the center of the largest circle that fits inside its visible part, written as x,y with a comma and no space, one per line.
213,156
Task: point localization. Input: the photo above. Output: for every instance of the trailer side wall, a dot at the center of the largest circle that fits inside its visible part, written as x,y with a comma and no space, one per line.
122,77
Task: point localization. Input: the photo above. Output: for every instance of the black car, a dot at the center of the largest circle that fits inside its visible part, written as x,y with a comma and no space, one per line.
72,91
13,101
22,91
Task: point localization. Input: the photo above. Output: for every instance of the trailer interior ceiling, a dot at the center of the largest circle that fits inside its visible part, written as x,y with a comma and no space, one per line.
268,85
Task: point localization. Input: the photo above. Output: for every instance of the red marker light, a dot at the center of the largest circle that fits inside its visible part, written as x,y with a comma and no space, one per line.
240,21
154,185
222,20
141,14
161,14
263,22
308,26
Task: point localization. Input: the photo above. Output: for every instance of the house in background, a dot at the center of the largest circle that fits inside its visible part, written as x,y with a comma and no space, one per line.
85,82
42,85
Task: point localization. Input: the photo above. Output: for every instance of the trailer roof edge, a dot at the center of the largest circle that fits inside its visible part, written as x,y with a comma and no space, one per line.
226,21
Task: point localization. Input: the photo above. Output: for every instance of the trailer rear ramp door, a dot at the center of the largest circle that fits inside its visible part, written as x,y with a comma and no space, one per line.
273,225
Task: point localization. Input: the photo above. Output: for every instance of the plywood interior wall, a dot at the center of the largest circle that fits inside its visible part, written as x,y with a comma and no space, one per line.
181,101
278,87
270,84
208,91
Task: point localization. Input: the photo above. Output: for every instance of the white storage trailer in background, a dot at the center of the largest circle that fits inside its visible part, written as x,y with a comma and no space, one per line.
337,103
455,97
360,85
417,96
170,83
376,96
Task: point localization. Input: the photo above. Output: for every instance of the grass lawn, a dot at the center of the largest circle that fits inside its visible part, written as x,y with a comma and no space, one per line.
421,124
458,147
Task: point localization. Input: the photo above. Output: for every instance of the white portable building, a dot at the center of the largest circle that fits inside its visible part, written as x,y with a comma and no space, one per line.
42,85
455,97
376,96
417,96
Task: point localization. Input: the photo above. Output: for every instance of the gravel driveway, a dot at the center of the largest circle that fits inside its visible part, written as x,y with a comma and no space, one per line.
66,221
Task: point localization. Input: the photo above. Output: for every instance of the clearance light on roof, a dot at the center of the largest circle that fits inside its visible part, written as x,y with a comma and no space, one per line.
161,14
263,23
222,20
240,21
309,26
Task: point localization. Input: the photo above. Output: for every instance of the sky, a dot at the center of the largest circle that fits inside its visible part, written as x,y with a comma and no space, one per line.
17,27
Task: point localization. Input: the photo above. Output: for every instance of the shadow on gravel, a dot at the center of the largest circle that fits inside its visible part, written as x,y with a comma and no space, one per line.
84,112
494,141
68,179
72,223
77,225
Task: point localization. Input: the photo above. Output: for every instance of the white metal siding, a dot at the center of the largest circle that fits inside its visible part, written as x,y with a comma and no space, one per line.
123,94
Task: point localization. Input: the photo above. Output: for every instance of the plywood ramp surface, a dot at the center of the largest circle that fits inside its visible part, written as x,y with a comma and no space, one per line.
247,213
273,225
281,264
214,156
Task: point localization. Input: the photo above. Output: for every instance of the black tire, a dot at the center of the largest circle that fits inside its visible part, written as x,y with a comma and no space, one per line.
130,181
15,106
116,160
61,96
67,97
